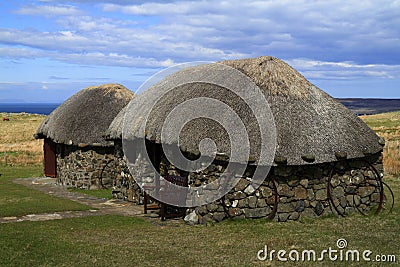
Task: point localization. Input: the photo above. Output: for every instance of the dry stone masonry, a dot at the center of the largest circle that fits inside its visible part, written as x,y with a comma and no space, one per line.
85,167
288,193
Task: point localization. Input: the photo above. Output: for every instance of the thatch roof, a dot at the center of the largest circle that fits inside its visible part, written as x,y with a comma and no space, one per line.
83,118
311,126
115,130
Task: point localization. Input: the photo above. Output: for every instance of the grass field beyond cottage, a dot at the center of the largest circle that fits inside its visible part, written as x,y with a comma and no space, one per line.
125,241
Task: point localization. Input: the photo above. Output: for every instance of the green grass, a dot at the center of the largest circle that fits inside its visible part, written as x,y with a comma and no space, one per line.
18,200
100,193
385,120
124,241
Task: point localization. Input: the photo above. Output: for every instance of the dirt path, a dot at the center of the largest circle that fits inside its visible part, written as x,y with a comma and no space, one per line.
100,206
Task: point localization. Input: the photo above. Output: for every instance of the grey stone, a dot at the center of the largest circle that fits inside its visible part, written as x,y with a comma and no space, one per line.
202,210
284,200
239,195
308,212
343,201
219,216
335,181
321,194
271,200
261,203
285,190
364,207
304,183
252,201
265,191
300,206
358,179
319,186
283,217
366,191
243,203
249,190
257,213
310,194
319,209
300,192
293,182
235,203
241,185
212,207
345,178
349,210
285,207
192,218
350,189
365,200
338,192
353,200
205,219
233,212
375,197
294,216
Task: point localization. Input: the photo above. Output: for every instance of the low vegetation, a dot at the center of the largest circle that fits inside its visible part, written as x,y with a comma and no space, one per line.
17,145
387,125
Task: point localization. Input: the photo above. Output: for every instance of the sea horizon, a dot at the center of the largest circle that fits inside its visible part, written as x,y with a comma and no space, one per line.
359,106
32,108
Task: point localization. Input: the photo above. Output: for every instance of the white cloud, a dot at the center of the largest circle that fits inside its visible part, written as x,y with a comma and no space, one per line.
49,11
344,70
337,38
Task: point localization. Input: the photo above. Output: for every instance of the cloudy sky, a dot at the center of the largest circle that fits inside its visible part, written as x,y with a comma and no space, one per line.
50,49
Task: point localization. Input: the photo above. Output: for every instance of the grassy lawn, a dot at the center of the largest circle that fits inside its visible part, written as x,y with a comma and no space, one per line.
17,200
124,241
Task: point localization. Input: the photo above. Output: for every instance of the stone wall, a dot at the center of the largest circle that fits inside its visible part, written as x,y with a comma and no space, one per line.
288,193
85,167
125,187
301,191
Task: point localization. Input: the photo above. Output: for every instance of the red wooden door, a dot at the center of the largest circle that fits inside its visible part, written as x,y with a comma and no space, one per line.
50,162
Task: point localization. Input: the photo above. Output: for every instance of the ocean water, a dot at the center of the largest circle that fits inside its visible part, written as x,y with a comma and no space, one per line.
34,108
359,106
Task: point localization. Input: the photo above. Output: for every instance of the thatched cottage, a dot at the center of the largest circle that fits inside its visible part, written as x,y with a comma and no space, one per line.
326,160
75,151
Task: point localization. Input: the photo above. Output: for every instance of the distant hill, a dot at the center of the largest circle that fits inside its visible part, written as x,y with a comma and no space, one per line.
370,106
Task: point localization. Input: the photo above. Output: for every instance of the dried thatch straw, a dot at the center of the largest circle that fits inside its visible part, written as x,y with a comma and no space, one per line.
83,118
311,126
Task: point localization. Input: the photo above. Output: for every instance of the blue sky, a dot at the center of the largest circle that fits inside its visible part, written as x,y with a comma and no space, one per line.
50,49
